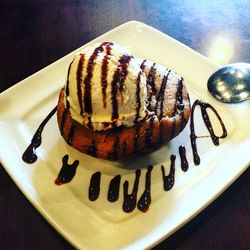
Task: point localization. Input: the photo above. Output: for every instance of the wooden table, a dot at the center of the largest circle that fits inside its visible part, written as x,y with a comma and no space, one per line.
34,34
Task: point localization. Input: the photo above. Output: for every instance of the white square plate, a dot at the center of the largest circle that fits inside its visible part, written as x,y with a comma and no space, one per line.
101,224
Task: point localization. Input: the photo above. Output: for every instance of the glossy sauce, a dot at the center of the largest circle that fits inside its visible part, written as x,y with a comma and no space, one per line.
204,106
67,171
184,162
130,200
29,156
119,77
168,180
114,188
145,199
94,186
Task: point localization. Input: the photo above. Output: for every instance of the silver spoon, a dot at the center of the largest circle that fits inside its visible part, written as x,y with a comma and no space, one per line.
231,84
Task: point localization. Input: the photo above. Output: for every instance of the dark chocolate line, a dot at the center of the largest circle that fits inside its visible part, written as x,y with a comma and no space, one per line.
104,79
138,99
143,65
161,95
145,199
71,134
184,162
105,72
67,87
168,180
116,147
130,200
29,155
151,78
87,81
114,188
193,137
94,187
118,77
67,171
92,149
79,75
149,133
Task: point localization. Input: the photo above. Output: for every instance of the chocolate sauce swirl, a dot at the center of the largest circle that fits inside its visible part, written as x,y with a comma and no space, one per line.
168,180
94,187
114,187
67,171
130,200
29,155
204,106
145,199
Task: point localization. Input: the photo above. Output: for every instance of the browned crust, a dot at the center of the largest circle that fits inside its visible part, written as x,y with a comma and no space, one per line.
119,143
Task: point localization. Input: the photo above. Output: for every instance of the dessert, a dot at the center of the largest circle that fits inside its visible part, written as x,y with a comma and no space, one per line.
114,105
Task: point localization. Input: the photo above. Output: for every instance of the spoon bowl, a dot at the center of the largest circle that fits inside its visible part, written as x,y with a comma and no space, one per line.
231,83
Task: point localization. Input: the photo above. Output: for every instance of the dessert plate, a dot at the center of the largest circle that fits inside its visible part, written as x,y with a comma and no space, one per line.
102,224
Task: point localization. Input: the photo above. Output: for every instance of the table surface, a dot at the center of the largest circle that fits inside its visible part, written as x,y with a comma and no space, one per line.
36,33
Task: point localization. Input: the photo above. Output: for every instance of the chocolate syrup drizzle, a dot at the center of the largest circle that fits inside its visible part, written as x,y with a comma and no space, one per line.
67,101
143,65
29,155
119,78
67,171
204,106
94,186
138,99
184,162
130,200
92,150
71,134
114,188
151,77
161,94
149,132
79,75
145,200
168,180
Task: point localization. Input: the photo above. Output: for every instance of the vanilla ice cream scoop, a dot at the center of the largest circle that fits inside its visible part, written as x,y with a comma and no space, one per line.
105,88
